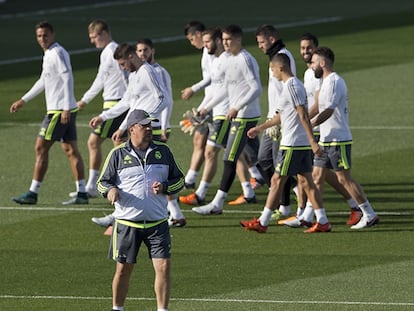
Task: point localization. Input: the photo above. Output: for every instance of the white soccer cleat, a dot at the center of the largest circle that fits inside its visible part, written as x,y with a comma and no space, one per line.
105,222
92,193
208,209
366,222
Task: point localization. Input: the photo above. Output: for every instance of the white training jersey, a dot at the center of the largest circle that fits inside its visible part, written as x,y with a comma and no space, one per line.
275,87
144,92
166,85
218,70
334,95
293,95
312,85
206,60
110,77
56,80
243,84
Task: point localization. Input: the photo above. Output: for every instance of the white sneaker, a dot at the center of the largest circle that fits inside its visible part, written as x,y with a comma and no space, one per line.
208,209
92,193
296,223
366,222
106,221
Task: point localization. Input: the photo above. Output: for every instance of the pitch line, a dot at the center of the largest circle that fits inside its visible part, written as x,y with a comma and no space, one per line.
366,303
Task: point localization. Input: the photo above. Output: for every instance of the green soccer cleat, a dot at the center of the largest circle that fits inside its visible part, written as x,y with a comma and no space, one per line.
81,198
28,197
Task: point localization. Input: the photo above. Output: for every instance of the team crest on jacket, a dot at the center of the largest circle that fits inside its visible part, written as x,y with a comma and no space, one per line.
158,155
127,159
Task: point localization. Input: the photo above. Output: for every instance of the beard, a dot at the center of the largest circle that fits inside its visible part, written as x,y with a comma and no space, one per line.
213,50
318,73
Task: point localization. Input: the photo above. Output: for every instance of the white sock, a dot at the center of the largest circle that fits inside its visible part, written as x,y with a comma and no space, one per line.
80,185
367,209
92,179
162,309
308,213
191,176
265,217
321,216
284,210
202,190
299,211
35,186
219,198
118,308
247,190
174,209
352,204
255,173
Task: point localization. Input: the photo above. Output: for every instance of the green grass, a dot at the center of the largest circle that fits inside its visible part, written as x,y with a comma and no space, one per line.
55,259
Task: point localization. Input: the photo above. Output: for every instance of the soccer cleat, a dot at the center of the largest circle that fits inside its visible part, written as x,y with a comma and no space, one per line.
191,199
80,199
28,197
296,223
366,222
179,223
253,225
354,217
243,200
282,221
208,209
256,183
189,185
275,216
105,221
317,227
92,193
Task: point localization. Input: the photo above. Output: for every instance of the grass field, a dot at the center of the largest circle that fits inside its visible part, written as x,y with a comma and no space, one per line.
54,258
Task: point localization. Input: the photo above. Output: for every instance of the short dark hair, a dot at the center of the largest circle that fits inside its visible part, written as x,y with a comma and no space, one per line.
146,41
214,32
123,51
192,27
45,24
234,30
267,31
281,58
310,37
326,53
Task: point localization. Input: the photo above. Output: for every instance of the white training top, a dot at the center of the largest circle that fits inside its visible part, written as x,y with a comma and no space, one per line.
144,92
206,60
110,77
275,87
56,80
312,85
165,78
334,95
218,70
292,96
243,84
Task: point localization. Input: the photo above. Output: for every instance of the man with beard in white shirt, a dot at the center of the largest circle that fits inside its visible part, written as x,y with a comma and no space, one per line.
332,115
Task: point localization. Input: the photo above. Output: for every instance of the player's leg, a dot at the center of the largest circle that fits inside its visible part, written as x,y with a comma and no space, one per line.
120,283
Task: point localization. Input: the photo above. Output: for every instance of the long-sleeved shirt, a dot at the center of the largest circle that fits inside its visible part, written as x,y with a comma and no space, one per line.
56,80
133,176
110,79
144,92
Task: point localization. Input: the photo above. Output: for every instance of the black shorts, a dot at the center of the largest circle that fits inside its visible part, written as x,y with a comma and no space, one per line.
293,160
128,236
110,126
53,129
